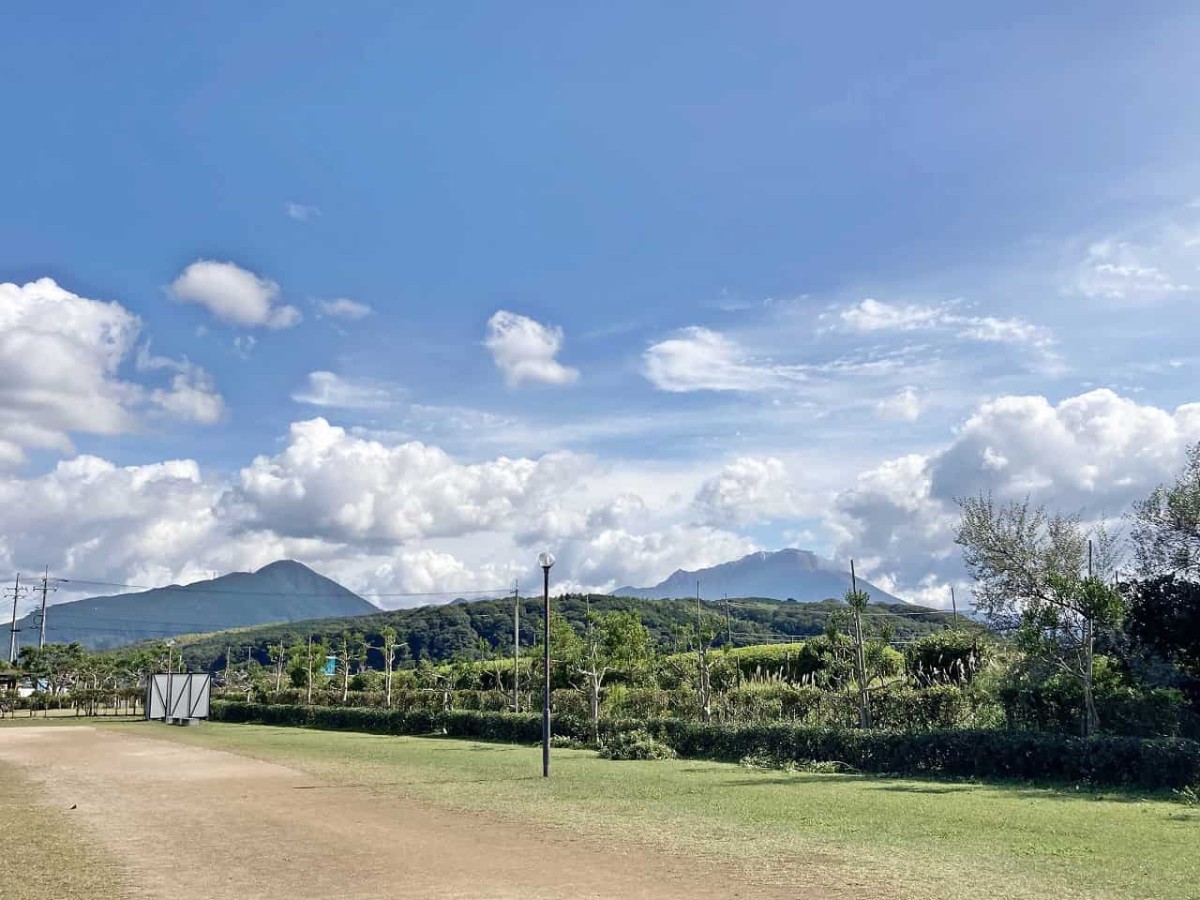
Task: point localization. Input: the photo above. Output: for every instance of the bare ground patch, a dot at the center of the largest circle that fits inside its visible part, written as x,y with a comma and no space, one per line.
183,821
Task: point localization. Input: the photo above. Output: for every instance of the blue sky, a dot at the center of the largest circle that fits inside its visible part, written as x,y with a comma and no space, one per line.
769,268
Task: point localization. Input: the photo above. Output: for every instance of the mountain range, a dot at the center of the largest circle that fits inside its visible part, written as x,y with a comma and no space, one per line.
284,591
788,574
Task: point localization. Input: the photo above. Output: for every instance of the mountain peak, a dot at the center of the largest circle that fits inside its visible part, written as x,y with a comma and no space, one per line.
787,574
285,565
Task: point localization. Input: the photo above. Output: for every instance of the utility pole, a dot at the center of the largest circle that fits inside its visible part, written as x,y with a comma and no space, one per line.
516,646
12,640
228,654
308,699
729,636
954,605
46,588
860,657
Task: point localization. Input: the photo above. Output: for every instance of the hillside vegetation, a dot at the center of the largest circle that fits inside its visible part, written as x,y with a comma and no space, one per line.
440,633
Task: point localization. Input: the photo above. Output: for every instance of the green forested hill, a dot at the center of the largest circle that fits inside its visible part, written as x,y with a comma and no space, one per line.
442,632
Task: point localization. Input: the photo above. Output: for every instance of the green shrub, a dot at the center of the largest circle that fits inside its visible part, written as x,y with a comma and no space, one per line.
1151,764
945,657
635,744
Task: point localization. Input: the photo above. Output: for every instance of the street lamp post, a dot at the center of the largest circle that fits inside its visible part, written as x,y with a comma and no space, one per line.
546,560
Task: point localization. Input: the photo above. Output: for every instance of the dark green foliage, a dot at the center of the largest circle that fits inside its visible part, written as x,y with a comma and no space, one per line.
635,744
945,657
1034,703
1147,764
454,631
1164,617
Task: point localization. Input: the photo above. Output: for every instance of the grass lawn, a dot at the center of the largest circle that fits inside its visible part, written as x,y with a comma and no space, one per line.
852,835
44,857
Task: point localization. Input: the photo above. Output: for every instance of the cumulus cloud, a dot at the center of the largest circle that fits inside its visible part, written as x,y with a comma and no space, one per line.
524,350
344,308
699,359
904,405
1095,453
192,395
233,295
329,483
334,391
748,490
619,557
59,358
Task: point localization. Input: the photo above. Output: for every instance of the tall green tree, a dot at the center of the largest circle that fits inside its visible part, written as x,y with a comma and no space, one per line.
1037,577
1166,525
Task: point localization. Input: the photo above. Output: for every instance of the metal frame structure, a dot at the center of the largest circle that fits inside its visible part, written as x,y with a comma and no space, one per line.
178,698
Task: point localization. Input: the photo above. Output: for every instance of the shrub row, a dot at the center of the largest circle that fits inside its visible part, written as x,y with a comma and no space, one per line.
484,726
1146,763
1149,764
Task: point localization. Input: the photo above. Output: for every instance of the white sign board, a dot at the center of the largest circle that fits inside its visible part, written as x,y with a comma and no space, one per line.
178,696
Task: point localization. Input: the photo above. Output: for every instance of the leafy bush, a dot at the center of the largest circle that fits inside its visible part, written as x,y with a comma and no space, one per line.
1037,703
635,744
945,657
1151,764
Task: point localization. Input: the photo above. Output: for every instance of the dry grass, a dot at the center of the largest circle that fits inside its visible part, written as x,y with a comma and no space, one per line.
45,857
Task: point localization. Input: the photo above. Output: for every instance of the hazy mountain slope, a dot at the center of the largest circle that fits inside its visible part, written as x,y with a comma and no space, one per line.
783,575
284,591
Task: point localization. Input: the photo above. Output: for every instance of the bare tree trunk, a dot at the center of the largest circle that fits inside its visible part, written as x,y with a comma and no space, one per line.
1091,722
595,707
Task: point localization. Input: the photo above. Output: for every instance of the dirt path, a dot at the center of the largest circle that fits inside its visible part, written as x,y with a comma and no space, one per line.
186,822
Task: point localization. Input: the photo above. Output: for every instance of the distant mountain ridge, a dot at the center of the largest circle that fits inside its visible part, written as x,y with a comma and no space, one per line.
284,591
788,574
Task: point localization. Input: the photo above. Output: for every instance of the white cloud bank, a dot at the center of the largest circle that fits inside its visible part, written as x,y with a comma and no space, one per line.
233,295
525,350
1095,454
59,359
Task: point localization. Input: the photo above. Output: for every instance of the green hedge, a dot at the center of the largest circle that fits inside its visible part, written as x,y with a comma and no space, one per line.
485,726
1148,764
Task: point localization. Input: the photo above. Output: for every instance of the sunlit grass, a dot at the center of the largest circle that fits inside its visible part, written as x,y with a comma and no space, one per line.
848,834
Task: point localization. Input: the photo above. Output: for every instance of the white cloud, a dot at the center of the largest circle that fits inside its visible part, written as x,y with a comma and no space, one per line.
233,295
301,212
525,350
330,484
874,315
904,405
619,557
192,396
344,308
59,358
703,360
1123,270
748,490
330,390
1095,454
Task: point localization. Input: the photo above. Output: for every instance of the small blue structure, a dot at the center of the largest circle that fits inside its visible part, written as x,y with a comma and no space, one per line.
330,665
